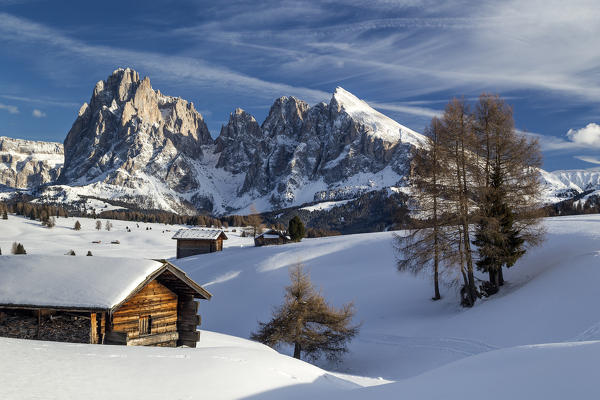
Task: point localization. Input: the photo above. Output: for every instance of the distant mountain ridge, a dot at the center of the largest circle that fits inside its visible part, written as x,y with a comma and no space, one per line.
131,143
26,163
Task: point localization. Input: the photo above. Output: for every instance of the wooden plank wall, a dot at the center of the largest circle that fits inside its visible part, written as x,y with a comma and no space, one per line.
186,248
154,300
188,321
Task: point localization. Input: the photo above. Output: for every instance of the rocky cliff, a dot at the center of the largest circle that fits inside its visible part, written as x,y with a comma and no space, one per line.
132,143
27,164
318,148
130,135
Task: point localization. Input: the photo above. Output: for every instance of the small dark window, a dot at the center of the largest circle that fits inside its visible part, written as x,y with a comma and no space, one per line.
146,325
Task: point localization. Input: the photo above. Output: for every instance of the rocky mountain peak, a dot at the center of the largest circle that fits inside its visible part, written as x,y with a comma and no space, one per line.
130,132
140,145
285,117
238,141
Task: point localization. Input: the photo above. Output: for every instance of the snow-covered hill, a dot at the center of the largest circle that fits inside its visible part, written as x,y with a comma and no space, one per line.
550,297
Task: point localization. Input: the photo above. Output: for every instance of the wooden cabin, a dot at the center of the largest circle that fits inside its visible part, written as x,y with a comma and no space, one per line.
271,237
99,300
198,241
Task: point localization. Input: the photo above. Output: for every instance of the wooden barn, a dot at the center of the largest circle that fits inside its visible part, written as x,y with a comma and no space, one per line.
198,241
270,237
134,302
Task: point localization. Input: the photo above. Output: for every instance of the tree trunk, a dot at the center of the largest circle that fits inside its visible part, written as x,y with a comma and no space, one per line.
493,277
297,350
436,252
436,284
500,277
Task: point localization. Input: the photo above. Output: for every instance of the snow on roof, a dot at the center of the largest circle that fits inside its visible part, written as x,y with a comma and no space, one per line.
270,236
71,281
199,233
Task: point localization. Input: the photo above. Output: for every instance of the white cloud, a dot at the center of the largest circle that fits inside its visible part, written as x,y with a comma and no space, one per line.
9,108
176,68
590,159
589,136
584,138
38,114
45,101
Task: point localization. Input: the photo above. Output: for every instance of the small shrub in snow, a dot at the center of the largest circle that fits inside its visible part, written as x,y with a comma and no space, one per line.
70,253
108,226
98,225
49,222
18,248
89,253
77,226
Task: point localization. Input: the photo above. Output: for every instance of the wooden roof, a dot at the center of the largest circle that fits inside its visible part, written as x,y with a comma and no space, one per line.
200,234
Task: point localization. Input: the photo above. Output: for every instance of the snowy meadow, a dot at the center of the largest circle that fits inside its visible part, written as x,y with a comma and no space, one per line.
538,338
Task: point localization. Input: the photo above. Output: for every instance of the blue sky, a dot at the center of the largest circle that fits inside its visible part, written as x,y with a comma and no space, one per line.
405,57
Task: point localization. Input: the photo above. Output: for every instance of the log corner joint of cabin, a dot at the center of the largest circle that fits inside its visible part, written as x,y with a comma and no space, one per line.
146,303
191,242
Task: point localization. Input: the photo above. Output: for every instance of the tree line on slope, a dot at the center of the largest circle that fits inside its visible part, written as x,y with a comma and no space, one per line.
475,197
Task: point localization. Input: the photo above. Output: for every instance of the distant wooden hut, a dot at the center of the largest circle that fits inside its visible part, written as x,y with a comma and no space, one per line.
271,237
198,241
134,302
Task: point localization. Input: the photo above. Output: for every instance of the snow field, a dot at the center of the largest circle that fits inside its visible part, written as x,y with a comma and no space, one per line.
498,349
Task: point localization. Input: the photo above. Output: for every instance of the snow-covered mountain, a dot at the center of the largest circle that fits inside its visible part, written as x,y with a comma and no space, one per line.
132,143
26,163
564,184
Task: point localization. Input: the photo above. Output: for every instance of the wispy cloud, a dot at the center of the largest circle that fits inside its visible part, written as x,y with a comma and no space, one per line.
175,68
11,109
38,113
41,100
510,45
590,159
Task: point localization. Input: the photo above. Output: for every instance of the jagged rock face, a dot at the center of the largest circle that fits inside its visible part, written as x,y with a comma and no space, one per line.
325,143
133,144
238,142
26,164
130,133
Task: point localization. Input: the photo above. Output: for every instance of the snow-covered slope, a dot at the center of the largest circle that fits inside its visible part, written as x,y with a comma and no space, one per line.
555,371
550,297
381,126
222,367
